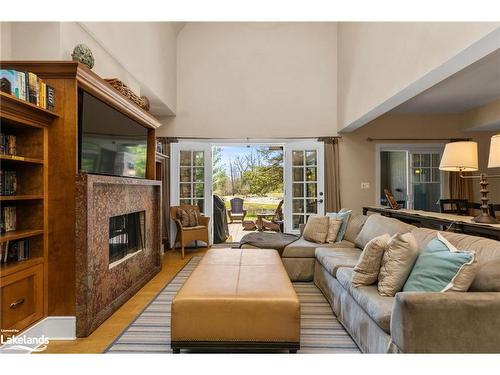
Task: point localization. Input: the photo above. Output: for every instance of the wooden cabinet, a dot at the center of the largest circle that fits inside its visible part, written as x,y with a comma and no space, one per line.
23,283
21,295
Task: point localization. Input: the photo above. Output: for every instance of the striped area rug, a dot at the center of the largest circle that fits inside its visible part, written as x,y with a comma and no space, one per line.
321,332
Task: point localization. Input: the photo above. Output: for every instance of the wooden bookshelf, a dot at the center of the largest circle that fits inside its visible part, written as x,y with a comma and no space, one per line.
21,159
26,280
26,197
10,268
20,234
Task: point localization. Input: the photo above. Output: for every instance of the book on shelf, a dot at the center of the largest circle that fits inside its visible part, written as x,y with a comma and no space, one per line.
8,182
8,144
14,251
8,218
27,86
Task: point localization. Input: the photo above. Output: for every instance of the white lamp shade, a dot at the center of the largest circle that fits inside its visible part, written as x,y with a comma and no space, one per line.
494,160
459,157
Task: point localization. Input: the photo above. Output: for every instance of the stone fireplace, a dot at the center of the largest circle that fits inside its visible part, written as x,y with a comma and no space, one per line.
118,244
126,236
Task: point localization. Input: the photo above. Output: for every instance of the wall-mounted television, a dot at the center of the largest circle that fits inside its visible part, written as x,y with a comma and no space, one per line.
110,143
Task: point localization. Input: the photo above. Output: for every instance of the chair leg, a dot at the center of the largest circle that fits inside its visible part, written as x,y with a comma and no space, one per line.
196,243
182,249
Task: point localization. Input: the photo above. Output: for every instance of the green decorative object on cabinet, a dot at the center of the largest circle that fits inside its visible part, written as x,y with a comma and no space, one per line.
83,54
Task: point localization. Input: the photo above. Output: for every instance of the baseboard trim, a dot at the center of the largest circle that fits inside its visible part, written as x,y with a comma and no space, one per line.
49,328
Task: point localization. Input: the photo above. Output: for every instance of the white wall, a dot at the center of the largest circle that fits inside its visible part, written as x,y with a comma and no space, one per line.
5,40
141,54
147,49
256,80
377,60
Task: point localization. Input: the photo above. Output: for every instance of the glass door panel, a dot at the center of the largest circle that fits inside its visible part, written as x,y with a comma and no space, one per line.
425,180
304,183
191,177
393,176
191,182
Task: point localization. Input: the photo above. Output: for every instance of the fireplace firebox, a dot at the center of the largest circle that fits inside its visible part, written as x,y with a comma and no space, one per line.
126,235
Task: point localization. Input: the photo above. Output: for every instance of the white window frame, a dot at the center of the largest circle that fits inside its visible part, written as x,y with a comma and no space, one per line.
408,148
288,184
175,180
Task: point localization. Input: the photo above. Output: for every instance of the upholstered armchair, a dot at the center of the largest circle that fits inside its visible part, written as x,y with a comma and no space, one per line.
187,232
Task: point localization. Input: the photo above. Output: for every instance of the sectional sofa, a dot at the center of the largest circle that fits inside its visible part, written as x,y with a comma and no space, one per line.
409,322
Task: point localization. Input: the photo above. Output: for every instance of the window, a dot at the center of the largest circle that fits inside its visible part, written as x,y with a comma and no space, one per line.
412,174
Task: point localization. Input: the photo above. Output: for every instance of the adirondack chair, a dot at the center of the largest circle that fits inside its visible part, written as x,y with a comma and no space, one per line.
275,224
236,212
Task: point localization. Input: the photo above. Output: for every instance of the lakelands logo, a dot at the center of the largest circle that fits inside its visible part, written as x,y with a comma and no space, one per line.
24,343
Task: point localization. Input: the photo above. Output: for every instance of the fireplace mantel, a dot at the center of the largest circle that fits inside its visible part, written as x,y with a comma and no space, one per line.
101,290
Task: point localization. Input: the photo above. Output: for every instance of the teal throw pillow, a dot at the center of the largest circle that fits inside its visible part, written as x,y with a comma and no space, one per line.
441,267
343,215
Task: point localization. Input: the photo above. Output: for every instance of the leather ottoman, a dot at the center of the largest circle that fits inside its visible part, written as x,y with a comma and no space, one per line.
237,299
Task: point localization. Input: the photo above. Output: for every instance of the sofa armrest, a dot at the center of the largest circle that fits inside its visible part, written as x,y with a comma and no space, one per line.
301,229
446,322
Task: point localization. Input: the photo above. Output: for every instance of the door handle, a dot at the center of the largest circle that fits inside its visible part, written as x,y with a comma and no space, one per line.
16,303
320,201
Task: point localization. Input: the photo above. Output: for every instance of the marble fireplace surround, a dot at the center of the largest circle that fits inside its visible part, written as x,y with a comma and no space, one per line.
101,290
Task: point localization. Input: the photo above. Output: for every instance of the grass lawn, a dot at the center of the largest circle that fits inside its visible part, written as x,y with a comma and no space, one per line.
255,207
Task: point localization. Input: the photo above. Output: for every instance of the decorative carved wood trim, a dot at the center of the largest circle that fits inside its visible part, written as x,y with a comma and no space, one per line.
95,85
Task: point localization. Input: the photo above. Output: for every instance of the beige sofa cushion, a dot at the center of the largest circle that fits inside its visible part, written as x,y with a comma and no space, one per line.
333,259
378,307
354,226
316,228
333,229
368,267
377,225
487,278
397,262
305,249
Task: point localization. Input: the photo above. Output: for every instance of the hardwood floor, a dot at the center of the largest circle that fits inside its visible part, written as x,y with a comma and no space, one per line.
100,339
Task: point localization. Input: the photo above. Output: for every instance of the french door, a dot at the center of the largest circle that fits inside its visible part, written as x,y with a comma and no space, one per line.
191,178
304,184
412,174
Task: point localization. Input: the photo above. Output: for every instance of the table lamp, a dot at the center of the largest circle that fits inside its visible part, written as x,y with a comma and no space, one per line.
462,157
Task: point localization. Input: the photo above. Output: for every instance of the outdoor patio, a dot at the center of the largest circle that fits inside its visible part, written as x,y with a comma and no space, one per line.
236,232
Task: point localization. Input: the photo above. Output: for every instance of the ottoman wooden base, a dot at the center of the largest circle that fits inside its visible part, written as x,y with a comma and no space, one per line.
237,299
228,346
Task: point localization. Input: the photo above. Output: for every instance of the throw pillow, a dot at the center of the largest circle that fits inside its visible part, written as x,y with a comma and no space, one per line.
368,267
441,267
333,230
193,218
343,215
397,262
183,217
316,228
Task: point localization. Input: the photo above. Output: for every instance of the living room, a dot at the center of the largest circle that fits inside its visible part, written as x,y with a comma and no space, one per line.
312,185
